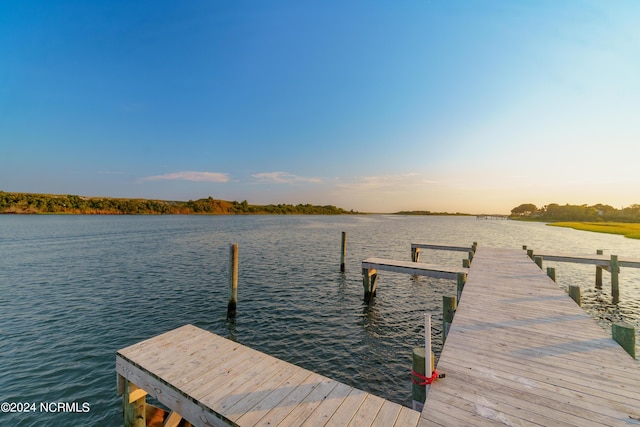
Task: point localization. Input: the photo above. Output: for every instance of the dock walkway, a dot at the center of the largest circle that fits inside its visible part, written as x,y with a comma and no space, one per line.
521,352
212,381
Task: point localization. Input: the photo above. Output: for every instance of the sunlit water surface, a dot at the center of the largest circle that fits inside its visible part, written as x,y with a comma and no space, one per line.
74,289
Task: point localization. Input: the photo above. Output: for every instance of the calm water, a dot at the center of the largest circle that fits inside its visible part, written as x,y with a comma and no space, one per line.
74,289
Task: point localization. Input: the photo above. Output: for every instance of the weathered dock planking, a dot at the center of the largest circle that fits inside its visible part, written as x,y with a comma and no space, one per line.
211,381
521,352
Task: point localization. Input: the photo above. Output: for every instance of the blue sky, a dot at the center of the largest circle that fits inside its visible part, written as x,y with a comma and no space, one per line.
379,106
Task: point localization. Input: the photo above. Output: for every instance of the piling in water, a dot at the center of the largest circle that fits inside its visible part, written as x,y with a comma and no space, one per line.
343,253
233,281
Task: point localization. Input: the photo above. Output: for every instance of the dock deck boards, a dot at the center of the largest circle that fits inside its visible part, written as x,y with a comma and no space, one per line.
212,381
521,352
414,268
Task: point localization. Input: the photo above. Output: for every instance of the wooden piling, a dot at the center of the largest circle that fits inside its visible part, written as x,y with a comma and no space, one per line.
574,293
614,269
233,281
466,263
551,272
418,392
524,247
421,365
370,283
538,260
625,335
449,306
462,279
530,253
470,254
474,247
343,253
133,405
415,254
599,272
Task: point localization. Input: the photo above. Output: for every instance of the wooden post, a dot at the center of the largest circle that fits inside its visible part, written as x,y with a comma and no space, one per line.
449,306
524,247
423,366
466,263
462,279
470,256
474,247
370,283
530,253
551,272
625,335
538,261
574,293
233,281
418,392
415,254
599,272
343,255
614,269
134,405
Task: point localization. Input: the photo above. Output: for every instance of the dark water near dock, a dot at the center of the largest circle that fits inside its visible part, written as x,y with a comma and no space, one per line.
74,289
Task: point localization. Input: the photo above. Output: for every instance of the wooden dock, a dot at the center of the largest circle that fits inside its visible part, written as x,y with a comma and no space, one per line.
371,266
413,268
415,249
211,381
521,352
598,260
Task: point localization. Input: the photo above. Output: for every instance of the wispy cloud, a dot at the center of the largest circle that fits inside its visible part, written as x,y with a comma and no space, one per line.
385,182
189,176
283,178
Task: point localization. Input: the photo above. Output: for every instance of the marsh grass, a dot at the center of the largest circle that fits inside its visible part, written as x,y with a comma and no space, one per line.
630,230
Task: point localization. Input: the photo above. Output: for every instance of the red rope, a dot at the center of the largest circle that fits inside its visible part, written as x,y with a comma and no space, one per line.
426,380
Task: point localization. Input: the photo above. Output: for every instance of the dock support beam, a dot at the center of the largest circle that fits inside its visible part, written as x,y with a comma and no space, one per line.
449,306
614,269
625,335
370,283
233,281
343,253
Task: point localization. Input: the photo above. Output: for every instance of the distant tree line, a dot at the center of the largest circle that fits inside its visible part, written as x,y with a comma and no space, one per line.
556,212
27,203
429,213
